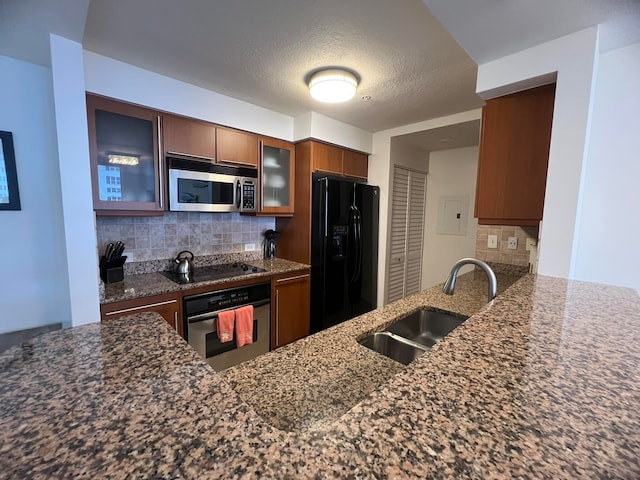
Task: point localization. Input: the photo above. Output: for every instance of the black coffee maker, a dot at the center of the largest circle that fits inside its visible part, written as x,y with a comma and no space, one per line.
270,237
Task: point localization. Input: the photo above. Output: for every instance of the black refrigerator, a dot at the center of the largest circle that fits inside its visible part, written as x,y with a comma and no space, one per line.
344,250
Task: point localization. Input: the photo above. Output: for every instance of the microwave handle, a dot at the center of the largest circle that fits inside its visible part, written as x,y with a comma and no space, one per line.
238,194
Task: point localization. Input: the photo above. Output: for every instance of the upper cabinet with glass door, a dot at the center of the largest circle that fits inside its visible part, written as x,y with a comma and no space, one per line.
277,162
125,165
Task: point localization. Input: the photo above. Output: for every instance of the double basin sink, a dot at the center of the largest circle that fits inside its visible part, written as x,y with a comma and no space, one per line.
411,336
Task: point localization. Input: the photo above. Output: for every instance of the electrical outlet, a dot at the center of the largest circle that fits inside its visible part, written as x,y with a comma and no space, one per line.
512,244
531,242
249,247
492,241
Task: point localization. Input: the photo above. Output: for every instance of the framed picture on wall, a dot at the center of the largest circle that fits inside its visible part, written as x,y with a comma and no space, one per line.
9,194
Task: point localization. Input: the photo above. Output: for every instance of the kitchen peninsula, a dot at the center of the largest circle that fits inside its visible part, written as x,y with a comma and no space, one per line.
543,382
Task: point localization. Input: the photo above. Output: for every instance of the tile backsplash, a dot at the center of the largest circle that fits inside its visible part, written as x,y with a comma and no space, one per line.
502,254
161,237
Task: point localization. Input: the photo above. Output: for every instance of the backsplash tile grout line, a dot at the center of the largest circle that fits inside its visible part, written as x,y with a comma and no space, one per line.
162,237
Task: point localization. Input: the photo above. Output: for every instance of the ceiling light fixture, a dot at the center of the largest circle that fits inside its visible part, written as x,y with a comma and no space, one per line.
121,159
333,85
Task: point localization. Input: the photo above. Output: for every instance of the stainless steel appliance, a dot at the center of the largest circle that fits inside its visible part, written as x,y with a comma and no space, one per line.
344,250
270,237
184,263
200,312
196,186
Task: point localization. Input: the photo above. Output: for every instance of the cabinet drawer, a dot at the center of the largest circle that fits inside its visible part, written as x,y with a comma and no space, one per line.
168,306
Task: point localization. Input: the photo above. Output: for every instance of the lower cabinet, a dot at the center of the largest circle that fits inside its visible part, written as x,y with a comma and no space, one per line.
168,306
289,307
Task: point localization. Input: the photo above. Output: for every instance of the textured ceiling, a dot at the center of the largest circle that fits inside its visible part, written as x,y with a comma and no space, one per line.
460,135
490,29
262,52
25,26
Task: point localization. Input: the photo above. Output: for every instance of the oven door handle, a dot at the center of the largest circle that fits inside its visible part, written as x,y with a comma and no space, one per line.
213,315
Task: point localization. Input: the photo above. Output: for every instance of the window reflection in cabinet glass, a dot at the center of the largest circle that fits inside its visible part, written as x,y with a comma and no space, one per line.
276,166
125,158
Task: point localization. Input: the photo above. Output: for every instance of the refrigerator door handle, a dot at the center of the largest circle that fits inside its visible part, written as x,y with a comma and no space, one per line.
359,243
356,228
325,180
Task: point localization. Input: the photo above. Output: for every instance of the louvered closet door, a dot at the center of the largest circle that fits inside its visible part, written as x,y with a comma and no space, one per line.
406,236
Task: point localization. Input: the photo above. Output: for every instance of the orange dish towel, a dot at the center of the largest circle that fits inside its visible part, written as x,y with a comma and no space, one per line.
225,325
244,326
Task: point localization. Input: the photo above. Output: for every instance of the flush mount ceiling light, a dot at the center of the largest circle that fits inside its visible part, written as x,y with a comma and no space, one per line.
333,85
122,159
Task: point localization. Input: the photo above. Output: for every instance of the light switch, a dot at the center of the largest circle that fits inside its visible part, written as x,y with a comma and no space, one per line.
492,241
512,244
531,242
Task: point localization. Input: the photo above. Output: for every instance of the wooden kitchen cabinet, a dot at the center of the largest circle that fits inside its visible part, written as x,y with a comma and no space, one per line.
126,164
277,177
355,164
513,158
289,307
326,158
236,148
185,137
338,161
168,306
311,156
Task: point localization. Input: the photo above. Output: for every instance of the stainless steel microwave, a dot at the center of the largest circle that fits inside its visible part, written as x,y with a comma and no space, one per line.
196,186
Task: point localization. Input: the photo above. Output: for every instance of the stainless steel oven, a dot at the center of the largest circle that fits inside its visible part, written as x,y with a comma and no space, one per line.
200,312
196,186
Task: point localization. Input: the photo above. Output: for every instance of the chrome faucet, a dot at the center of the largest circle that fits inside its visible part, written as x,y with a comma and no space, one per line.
450,284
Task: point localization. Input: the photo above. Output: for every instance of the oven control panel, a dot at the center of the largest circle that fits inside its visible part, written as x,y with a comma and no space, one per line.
225,299
230,299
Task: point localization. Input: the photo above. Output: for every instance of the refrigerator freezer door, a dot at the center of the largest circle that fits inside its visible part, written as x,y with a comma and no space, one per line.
344,251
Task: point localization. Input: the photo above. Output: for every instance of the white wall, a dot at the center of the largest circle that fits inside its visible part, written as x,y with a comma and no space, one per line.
574,59
410,156
109,77
380,172
112,78
607,250
34,289
451,172
75,179
315,125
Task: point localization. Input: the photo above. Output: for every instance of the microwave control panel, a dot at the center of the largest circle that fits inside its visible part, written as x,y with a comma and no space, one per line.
248,196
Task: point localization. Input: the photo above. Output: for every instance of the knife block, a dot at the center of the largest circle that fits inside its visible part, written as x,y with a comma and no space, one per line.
113,271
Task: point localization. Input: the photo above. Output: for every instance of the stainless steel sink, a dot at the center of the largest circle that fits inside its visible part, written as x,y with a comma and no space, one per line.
426,327
411,336
397,348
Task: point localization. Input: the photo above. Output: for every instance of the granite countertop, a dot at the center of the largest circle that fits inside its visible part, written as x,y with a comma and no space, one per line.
543,382
147,284
350,372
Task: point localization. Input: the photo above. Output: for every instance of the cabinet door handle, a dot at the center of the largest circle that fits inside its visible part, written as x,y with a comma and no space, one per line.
190,155
133,309
160,164
292,278
261,160
175,320
235,162
277,319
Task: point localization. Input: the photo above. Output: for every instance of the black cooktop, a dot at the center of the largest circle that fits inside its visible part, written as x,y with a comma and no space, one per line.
214,272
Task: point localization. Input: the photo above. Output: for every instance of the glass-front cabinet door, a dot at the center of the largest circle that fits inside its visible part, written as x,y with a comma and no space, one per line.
125,163
277,162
